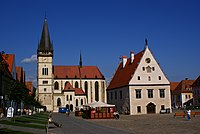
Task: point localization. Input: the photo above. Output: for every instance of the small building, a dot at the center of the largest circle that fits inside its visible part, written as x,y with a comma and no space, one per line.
182,93
139,85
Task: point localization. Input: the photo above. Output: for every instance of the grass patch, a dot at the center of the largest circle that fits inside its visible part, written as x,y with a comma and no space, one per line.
8,122
8,131
37,121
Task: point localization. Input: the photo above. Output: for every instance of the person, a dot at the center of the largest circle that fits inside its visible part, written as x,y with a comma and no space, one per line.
116,115
50,120
67,112
189,114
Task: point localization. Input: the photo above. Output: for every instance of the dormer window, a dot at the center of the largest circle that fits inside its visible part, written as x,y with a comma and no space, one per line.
95,76
66,76
85,76
75,76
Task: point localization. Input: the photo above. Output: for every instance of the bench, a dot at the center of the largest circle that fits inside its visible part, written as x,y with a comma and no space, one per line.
180,114
197,113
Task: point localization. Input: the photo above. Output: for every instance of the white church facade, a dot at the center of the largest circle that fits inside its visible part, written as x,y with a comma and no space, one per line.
139,85
65,86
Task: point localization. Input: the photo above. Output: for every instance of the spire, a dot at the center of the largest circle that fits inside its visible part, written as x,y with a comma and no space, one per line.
45,44
146,43
80,62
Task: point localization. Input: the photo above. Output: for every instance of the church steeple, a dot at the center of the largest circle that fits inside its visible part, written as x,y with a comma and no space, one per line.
45,44
80,62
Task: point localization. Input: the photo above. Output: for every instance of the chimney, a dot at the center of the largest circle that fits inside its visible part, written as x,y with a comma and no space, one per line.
124,60
132,56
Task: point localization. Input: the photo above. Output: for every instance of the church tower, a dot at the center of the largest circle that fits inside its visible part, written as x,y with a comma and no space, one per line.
44,69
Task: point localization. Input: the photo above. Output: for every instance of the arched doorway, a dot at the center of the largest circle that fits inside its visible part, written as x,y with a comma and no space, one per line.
151,108
71,107
67,106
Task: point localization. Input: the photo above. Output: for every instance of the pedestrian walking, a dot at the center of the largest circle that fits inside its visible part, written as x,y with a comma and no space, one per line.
189,114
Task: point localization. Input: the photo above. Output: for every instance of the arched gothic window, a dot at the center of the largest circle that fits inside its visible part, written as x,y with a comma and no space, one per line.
76,102
86,88
58,102
76,84
56,85
96,91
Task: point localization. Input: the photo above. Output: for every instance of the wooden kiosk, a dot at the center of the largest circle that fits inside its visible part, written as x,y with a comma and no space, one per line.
98,110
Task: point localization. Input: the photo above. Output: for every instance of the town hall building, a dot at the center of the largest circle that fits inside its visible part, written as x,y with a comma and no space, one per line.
139,85
65,86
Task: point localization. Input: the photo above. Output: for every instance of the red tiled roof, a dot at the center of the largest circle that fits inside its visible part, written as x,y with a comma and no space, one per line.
9,58
29,86
173,85
197,82
78,91
68,86
19,73
184,87
122,75
77,72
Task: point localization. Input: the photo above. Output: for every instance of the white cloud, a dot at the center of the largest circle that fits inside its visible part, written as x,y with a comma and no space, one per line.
33,58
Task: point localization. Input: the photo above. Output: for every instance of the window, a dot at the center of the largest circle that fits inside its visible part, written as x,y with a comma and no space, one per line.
150,93
139,109
138,93
162,93
56,85
153,68
138,77
67,98
120,94
108,96
115,95
44,71
159,77
162,107
86,88
186,97
189,96
96,91
58,102
111,95
81,101
70,97
45,82
76,84
149,78
143,68
45,89
76,102
66,83
148,69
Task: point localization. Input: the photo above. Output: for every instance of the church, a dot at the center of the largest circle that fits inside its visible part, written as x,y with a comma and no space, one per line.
139,85
65,86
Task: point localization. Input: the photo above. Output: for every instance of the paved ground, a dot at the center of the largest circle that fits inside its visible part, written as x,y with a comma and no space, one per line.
136,124
153,124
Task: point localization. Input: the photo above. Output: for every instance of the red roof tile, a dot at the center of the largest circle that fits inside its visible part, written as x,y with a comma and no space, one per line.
29,86
78,91
77,72
173,85
9,58
122,75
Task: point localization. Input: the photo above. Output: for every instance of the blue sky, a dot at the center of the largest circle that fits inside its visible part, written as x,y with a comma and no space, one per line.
104,30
